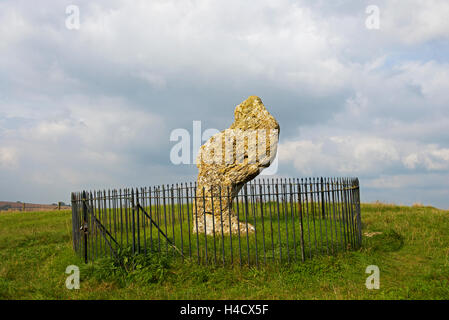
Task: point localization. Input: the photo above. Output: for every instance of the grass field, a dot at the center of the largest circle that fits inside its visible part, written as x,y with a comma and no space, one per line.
409,244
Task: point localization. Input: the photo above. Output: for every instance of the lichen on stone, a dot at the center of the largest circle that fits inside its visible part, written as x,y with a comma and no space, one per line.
230,159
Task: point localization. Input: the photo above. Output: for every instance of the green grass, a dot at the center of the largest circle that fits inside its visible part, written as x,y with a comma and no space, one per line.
412,252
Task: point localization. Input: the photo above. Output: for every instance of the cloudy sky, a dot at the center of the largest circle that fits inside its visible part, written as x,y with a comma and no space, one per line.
93,107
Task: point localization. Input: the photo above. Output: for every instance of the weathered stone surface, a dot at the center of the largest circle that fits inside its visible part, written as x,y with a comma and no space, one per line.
228,160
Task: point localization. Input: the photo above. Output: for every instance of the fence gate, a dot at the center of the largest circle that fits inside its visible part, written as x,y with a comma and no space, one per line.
293,219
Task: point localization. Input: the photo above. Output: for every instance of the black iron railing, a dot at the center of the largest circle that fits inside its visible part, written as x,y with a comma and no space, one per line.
293,219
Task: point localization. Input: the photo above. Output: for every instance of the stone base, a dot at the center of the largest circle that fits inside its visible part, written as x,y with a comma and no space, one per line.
215,223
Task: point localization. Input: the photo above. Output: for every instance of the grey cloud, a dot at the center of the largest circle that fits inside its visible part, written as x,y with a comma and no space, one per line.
95,107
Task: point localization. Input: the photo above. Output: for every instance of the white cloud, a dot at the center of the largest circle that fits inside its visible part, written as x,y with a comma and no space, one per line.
8,157
431,157
302,154
431,78
417,22
339,155
361,155
100,124
14,26
111,123
415,182
411,161
283,42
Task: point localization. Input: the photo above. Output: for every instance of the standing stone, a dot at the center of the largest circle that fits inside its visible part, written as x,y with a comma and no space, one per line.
228,160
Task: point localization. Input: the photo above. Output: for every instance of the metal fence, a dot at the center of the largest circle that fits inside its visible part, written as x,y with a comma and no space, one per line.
293,219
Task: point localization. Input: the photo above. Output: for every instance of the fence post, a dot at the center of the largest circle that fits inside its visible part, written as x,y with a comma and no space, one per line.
74,215
138,219
357,202
85,225
245,193
303,254
323,212
133,221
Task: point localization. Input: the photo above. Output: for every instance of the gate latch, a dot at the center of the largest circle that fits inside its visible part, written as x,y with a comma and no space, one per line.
83,228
